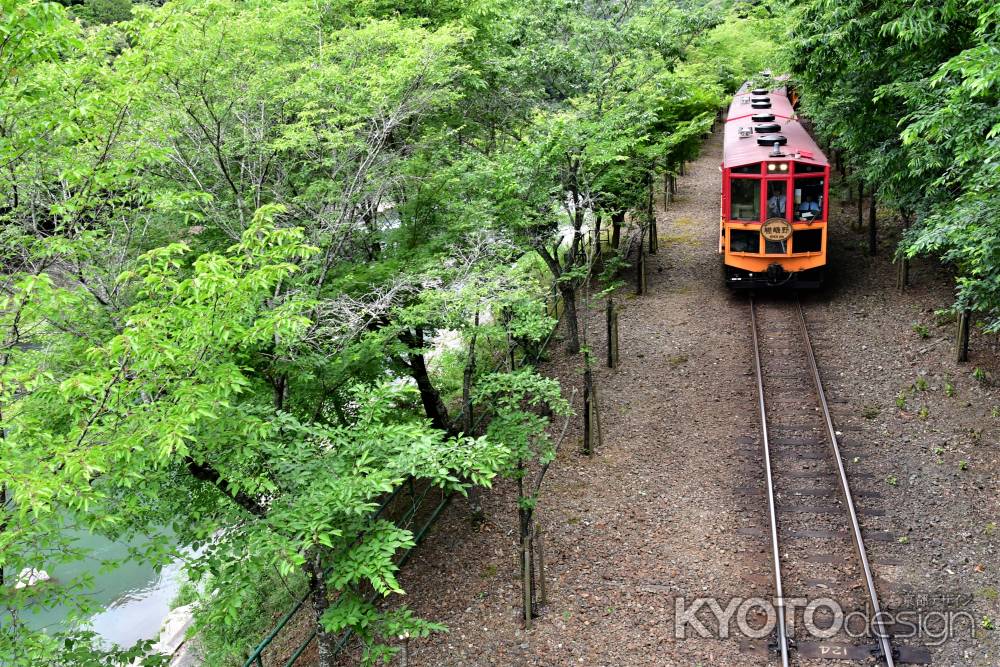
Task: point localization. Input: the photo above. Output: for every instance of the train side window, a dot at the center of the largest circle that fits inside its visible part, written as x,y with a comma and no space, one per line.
744,240
807,240
744,199
747,169
806,168
809,199
775,247
777,198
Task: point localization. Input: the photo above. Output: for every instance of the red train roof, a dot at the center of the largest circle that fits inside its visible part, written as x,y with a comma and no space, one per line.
739,150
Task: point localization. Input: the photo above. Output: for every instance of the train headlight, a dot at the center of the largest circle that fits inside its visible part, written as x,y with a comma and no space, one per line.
771,166
783,166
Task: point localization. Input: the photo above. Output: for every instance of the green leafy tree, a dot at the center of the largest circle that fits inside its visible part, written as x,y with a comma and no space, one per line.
169,421
910,93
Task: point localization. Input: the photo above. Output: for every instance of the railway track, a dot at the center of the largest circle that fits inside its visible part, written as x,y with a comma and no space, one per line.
817,549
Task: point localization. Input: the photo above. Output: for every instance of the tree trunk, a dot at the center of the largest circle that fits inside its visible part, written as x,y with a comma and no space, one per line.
568,293
204,472
872,228
597,237
524,516
279,387
326,641
617,220
338,409
434,407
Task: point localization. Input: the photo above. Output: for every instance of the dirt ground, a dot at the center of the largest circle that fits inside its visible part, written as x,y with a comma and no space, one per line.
658,513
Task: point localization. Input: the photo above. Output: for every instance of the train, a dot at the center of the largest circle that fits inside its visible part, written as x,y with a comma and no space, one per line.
775,193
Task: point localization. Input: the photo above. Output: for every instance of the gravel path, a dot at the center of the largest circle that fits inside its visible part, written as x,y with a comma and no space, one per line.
661,511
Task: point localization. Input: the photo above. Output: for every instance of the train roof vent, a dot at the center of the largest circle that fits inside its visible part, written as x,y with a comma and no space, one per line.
760,91
762,118
771,139
761,105
765,98
767,128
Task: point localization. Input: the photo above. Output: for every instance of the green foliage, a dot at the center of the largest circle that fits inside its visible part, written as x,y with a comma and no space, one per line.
225,643
104,11
516,398
911,93
739,48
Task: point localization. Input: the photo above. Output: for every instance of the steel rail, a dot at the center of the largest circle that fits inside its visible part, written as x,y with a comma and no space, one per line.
775,552
845,487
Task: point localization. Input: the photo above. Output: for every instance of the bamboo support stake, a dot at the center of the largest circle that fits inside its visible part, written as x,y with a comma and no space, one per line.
404,654
595,408
903,276
591,414
651,216
526,579
588,436
612,318
640,265
543,597
963,336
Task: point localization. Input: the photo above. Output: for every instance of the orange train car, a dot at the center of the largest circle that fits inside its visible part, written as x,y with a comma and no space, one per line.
775,195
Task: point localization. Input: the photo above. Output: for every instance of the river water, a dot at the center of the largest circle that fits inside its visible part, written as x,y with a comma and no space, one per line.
135,598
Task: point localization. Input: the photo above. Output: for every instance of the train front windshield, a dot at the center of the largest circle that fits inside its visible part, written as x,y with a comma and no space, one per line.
793,191
809,198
